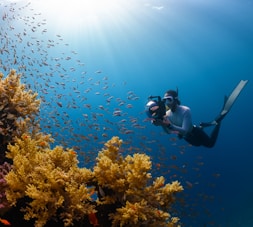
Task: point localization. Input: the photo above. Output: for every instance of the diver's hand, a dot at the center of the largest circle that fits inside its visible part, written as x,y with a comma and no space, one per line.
166,122
157,122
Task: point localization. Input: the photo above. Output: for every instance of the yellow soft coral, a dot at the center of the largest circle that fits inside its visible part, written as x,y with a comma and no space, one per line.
131,215
14,94
128,178
109,166
51,179
18,109
130,172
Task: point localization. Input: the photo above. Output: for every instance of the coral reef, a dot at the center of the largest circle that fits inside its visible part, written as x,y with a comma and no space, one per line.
41,186
57,188
18,109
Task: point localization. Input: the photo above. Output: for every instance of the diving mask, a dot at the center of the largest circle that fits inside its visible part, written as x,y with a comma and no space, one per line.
168,100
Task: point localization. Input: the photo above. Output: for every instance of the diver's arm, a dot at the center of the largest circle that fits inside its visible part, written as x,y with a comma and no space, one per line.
186,124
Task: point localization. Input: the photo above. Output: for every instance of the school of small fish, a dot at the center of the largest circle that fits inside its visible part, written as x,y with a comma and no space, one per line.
83,109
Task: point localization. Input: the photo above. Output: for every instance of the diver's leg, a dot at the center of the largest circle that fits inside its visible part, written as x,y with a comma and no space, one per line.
200,137
214,136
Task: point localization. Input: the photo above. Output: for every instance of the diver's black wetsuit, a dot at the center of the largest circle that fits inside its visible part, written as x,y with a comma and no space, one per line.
198,137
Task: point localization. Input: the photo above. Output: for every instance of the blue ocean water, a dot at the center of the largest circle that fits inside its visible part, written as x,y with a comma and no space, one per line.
95,65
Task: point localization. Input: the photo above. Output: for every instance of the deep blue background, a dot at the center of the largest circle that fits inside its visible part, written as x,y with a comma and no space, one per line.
202,47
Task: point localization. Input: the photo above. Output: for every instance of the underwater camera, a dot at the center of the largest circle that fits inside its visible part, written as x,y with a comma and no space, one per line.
155,107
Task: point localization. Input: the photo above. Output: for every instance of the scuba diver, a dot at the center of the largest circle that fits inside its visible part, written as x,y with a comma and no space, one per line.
177,119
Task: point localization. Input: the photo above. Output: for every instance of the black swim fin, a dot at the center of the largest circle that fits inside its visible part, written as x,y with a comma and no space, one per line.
228,103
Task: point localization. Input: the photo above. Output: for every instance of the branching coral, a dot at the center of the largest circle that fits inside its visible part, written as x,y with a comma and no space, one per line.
128,178
14,95
18,108
51,179
130,172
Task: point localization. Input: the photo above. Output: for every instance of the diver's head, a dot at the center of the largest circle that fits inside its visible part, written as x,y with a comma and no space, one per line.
152,109
171,99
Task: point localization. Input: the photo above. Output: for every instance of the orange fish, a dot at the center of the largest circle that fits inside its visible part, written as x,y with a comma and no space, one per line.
93,219
42,143
72,152
26,136
92,191
4,221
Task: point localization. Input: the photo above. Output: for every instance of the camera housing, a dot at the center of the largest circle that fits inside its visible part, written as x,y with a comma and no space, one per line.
160,111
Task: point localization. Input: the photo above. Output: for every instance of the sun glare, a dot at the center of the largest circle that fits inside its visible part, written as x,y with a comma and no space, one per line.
72,13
